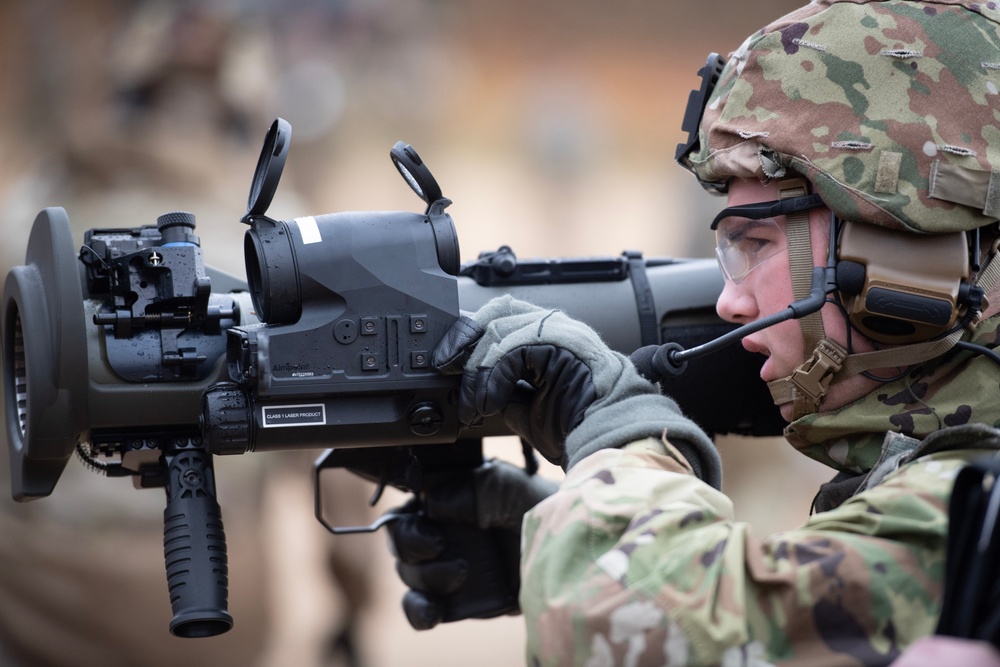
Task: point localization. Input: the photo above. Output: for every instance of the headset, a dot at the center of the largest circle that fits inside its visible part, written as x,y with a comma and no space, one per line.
894,288
899,289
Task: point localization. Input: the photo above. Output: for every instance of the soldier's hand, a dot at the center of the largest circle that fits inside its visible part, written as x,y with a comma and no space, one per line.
560,387
458,550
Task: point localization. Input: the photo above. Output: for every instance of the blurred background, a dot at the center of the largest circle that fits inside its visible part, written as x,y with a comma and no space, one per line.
551,125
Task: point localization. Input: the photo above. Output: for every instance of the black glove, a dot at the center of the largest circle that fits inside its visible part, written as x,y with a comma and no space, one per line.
458,549
560,387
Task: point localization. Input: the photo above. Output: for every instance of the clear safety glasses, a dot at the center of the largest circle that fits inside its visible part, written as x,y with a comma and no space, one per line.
748,234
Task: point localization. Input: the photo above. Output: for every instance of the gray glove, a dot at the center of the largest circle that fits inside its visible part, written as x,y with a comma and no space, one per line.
458,551
560,387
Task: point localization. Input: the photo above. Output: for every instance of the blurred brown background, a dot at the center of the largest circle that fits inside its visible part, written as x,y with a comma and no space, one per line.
551,125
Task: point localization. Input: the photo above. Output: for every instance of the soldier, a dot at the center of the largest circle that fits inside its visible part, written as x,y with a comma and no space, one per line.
857,137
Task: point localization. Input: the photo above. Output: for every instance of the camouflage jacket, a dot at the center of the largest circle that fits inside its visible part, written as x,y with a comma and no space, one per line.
636,562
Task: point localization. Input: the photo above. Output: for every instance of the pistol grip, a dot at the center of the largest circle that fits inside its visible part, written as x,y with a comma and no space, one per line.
194,548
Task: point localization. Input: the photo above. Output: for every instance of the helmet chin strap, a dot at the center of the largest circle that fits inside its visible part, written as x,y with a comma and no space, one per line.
809,382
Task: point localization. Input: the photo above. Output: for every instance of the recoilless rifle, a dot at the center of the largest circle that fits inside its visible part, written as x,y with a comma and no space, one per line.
147,363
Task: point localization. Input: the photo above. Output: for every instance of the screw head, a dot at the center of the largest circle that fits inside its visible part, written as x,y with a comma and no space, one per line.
425,419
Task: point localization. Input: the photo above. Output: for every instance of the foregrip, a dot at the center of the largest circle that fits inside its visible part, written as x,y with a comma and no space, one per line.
194,546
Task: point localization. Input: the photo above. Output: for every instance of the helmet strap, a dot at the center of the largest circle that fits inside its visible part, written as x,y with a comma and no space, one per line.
808,384
800,258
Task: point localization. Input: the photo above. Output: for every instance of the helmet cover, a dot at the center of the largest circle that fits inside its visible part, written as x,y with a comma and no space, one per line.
890,109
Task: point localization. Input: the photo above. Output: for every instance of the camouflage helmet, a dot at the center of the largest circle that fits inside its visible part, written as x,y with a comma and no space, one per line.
890,109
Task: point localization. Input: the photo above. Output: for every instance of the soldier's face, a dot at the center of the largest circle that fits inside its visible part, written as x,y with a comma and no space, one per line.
767,289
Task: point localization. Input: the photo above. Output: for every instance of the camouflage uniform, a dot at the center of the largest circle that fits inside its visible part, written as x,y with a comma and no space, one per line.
637,562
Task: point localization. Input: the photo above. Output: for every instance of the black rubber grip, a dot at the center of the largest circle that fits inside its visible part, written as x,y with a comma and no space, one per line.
194,548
